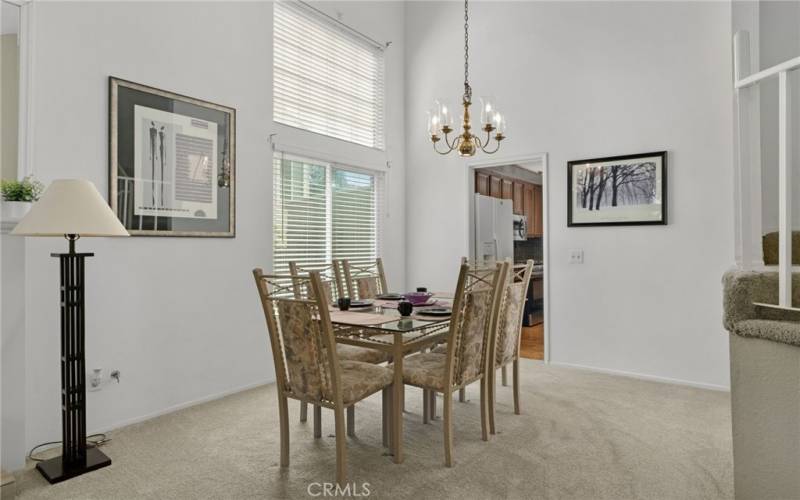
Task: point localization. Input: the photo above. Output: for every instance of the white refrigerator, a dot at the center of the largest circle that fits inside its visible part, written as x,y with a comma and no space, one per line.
494,224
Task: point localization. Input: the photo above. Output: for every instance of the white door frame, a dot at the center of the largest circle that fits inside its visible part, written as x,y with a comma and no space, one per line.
521,161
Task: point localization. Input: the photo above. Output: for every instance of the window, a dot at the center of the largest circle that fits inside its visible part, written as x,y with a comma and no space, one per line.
323,212
9,90
326,79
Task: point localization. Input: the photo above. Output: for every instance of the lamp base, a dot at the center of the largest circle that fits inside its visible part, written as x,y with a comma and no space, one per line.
55,471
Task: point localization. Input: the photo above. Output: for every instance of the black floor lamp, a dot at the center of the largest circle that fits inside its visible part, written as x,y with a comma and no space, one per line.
72,208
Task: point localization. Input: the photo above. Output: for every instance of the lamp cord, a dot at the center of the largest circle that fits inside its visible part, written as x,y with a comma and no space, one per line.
92,441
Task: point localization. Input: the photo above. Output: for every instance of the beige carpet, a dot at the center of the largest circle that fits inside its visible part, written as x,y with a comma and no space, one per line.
582,435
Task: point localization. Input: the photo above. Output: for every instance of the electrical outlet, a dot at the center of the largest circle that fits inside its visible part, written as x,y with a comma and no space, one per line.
98,379
576,256
95,379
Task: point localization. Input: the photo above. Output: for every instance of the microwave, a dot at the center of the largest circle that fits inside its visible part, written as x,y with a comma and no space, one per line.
520,227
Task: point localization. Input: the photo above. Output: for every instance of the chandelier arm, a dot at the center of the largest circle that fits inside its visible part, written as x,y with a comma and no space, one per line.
445,152
488,139
447,143
454,143
495,150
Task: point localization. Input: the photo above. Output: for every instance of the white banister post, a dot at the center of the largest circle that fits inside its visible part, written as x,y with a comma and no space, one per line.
747,158
785,191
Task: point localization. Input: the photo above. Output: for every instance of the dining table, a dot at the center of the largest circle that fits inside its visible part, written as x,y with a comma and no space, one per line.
380,326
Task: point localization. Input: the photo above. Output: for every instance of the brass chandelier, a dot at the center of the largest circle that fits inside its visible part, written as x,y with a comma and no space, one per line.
440,119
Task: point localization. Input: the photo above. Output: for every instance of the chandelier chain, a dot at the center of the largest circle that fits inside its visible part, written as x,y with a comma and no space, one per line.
467,88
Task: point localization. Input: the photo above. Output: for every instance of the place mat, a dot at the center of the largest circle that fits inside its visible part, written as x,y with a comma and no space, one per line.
392,304
360,318
426,317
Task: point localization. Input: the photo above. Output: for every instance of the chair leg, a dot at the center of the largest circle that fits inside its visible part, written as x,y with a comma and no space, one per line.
341,447
317,421
386,394
505,377
462,395
390,417
351,421
448,427
515,375
303,411
283,414
426,403
484,413
432,405
491,390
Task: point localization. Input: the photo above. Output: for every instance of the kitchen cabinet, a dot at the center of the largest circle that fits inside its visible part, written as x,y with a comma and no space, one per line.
536,223
482,183
507,189
495,187
518,198
527,206
526,198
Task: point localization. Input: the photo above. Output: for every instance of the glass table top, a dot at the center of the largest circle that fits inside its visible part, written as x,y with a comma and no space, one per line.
394,321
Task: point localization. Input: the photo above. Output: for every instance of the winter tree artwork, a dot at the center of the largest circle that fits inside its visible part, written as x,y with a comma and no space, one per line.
618,190
172,162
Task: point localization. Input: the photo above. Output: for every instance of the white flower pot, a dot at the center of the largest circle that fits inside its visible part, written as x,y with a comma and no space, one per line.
14,211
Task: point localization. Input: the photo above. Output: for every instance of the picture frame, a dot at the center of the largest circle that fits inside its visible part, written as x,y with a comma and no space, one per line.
627,190
172,162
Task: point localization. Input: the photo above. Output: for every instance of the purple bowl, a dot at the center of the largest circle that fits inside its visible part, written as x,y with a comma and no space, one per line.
418,298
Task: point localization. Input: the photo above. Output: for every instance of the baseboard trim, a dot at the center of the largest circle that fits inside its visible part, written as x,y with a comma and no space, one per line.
169,409
182,406
651,378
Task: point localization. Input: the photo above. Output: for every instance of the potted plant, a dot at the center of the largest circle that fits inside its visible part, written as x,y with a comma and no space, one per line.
18,196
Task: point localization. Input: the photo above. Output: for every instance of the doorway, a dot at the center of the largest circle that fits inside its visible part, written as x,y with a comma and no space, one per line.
520,186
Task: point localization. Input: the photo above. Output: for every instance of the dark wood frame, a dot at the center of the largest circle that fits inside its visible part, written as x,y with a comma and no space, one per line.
664,192
113,148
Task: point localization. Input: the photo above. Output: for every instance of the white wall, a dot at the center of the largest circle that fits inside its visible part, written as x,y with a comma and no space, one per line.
12,352
584,80
779,41
178,316
9,104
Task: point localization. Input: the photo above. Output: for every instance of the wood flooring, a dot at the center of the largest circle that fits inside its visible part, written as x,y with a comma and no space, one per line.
532,343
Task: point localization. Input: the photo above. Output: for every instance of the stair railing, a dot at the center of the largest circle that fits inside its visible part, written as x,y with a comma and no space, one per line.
746,225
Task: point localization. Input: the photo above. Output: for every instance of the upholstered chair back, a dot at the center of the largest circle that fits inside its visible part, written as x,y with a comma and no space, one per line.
331,275
471,328
364,279
511,311
301,334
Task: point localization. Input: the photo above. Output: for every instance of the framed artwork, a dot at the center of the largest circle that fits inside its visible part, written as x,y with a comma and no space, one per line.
618,190
172,162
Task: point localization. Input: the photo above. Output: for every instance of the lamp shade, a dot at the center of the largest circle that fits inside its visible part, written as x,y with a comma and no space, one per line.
70,206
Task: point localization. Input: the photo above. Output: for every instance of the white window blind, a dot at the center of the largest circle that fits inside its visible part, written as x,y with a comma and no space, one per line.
326,79
323,211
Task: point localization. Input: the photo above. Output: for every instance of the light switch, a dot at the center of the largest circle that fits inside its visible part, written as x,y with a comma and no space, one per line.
576,256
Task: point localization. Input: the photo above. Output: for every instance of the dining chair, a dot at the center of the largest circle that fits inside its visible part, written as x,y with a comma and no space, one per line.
333,289
509,327
442,349
331,275
364,279
307,366
475,310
